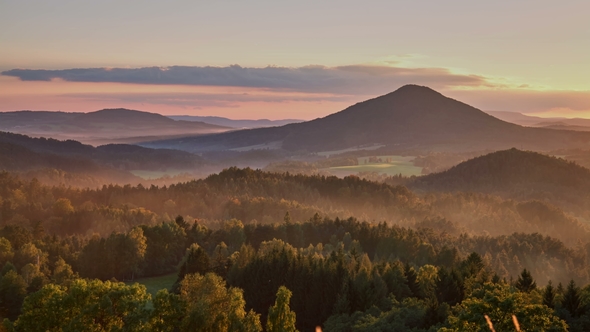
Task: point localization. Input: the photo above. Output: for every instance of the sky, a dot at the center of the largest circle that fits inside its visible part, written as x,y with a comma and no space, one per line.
292,59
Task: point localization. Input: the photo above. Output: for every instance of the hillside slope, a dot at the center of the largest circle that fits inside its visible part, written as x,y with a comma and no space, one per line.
55,153
521,175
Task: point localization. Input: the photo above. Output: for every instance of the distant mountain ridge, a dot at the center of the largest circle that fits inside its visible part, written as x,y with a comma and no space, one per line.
239,123
578,124
408,118
104,126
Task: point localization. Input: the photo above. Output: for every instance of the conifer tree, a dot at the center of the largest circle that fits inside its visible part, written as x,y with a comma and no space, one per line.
549,295
449,287
559,290
571,299
525,282
412,279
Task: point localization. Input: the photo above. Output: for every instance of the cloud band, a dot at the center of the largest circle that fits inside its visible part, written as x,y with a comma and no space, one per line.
354,79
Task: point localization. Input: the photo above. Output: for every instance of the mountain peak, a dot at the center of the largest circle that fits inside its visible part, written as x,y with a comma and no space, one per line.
415,87
416,92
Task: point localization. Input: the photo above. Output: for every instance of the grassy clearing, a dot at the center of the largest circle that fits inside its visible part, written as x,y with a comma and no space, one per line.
358,148
390,165
154,284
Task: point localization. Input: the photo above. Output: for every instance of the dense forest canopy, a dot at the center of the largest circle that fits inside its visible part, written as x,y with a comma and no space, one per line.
248,246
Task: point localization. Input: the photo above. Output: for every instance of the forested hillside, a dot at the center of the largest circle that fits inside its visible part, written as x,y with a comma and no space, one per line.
121,156
339,253
520,175
72,163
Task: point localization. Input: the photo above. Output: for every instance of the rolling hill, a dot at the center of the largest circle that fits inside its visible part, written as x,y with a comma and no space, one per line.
20,152
412,117
102,127
516,174
507,168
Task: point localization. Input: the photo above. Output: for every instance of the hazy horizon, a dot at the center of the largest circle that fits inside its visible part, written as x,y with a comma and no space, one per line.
303,61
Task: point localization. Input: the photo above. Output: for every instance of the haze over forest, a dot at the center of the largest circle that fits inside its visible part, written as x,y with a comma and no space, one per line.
267,166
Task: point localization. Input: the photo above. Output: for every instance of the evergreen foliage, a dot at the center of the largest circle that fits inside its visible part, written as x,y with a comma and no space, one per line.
525,282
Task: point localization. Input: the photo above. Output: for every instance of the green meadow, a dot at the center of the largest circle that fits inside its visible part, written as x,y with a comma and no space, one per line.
154,284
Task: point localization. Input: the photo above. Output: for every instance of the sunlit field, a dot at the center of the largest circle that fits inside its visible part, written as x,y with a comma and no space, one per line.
389,165
154,284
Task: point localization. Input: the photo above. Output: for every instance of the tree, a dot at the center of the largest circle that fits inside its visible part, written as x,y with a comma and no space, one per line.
211,307
280,316
549,295
168,312
195,260
38,230
136,246
221,259
125,253
6,252
165,247
525,282
412,280
396,281
85,305
63,207
17,235
427,279
571,299
13,289
63,273
29,254
472,265
500,302
7,268
449,287
179,220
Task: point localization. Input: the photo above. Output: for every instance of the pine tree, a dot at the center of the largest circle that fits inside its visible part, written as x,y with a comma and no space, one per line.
571,299
280,316
525,282
559,290
472,265
549,296
449,287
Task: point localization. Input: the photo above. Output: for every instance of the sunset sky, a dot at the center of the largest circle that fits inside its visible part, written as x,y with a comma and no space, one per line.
297,59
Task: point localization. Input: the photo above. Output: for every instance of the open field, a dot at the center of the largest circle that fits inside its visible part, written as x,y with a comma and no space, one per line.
358,148
154,284
390,165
